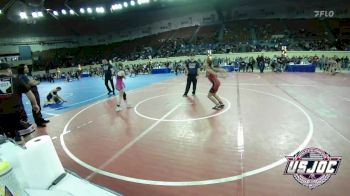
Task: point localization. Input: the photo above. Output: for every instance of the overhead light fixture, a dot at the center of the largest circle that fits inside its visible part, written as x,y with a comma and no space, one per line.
89,10
117,7
71,12
40,14
64,12
100,10
34,15
55,13
142,2
23,15
132,3
82,10
125,4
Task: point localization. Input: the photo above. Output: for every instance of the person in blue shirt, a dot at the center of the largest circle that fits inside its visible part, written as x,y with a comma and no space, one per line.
192,70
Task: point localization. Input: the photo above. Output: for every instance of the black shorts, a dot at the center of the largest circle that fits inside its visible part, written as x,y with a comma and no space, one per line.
10,124
49,97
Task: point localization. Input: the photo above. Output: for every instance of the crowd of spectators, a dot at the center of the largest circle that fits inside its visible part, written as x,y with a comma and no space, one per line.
238,36
277,63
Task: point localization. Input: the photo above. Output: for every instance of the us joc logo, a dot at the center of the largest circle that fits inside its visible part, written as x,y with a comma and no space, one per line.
312,167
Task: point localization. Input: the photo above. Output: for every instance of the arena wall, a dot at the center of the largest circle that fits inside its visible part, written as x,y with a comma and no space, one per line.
230,55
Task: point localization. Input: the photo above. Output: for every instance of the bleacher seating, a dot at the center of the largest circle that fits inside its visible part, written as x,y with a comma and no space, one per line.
298,34
237,31
208,34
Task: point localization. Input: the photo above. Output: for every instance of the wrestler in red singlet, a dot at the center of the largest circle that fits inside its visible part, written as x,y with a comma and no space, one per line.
215,81
212,76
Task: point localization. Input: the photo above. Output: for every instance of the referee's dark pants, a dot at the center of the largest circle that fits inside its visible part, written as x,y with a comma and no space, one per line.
193,79
261,67
38,118
109,79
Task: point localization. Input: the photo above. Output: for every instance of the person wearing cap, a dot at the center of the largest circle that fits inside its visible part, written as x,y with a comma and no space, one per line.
192,70
23,71
10,90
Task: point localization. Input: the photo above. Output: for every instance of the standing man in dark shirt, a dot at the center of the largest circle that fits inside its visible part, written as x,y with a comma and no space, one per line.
192,70
251,63
107,70
261,63
10,90
23,71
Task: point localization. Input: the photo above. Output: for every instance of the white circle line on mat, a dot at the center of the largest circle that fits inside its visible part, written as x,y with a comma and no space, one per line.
199,182
178,120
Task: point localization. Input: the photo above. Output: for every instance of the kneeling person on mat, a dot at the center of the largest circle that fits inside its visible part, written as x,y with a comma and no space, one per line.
53,97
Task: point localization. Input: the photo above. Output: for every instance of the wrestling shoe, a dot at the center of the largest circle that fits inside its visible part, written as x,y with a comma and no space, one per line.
44,121
26,128
118,109
217,107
